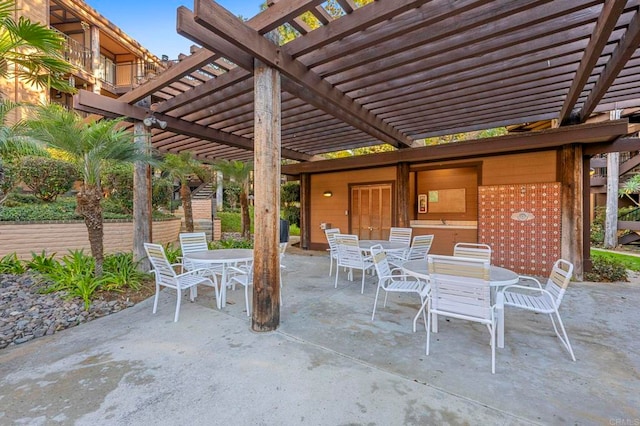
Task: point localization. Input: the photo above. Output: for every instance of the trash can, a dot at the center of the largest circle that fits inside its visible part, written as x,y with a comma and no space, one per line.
284,231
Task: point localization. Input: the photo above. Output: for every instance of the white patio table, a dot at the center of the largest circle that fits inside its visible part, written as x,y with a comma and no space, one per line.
387,246
225,258
498,277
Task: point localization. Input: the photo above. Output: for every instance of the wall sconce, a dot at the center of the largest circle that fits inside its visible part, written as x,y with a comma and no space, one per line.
592,171
150,121
58,95
327,194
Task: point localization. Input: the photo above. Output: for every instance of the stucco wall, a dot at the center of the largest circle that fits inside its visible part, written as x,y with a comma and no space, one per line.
59,238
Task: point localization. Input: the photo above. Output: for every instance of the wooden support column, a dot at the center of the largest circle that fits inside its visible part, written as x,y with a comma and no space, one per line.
587,264
141,201
266,256
570,173
96,65
305,211
611,212
402,195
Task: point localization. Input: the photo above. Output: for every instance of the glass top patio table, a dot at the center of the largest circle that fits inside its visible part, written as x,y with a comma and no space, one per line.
223,257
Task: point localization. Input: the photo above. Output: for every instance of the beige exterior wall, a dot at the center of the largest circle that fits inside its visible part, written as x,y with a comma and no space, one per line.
59,238
534,167
332,209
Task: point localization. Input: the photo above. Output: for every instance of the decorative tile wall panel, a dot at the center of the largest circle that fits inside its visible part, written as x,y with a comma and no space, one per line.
522,224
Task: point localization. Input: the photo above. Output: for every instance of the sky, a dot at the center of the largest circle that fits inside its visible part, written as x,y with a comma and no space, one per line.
152,23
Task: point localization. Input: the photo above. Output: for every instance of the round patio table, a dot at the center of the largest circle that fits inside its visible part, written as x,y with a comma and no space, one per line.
224,258
498,277
387,246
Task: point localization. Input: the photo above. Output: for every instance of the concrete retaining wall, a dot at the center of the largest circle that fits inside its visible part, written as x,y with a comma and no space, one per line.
60,237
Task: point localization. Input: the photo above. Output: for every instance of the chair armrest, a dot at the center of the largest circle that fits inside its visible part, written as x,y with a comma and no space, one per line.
200,272
532,289
236,270
528,278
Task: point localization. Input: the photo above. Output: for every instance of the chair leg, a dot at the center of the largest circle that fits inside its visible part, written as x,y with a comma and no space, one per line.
331,264
364,272
337,273
385,298
565,340
246,299
178,299
423,311
375,303
428,325
155,299
492,330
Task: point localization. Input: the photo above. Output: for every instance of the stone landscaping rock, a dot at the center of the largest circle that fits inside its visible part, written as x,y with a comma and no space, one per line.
26,314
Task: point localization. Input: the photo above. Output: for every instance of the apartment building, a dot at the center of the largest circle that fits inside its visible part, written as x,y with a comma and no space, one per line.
105,59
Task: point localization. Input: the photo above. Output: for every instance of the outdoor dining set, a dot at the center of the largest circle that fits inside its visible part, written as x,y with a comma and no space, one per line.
465,285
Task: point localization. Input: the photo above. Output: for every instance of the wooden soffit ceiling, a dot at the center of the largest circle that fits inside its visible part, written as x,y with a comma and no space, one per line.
392,71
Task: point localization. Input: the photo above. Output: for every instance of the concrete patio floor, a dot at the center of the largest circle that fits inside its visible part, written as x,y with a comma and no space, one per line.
329,364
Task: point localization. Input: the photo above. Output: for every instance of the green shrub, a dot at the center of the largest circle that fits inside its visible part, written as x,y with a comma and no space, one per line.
292,215
10,264
8,179
173,253
47,177
162,191
74,275
117,181
121,271
35,212
606,269
230,221
42,262
230,243
231,199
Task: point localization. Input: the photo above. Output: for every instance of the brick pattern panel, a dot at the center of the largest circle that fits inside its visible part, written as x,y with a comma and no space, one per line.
522,224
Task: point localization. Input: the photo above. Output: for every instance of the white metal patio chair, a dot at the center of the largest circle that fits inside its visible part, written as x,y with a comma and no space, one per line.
460,289
242,275
350,256
473,251
402,236
166,276
398,283
192,242
419,249
545,300
333,248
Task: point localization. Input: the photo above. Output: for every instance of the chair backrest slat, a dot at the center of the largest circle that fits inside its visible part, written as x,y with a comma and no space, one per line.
420,247
380,261
400,235
559,280
330,234
460,287
164,271
472,251
349,253
192,242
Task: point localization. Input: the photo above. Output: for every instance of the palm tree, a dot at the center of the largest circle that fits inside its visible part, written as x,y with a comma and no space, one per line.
32,52
90,145
239,172
181,167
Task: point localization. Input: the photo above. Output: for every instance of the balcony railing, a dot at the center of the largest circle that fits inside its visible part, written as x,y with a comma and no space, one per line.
75,53
124,76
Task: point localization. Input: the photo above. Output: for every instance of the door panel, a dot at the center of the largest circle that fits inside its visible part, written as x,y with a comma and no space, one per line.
371,211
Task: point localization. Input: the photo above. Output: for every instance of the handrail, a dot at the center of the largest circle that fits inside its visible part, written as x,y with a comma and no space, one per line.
74,52
630,216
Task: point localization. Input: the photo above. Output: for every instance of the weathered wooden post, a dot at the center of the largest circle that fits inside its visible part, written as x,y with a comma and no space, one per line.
141,201
571,206
402,194
266,257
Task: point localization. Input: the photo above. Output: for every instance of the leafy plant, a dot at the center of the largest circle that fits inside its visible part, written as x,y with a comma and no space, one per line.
120,270
47,177
606,269
230,243
173,253
42,262
117,182
10,264
75,275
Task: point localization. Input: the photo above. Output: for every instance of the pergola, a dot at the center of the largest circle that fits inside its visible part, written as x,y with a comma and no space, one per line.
392,71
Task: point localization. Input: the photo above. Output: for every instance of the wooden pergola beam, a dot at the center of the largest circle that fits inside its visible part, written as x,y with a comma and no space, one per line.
223,24
108,107
598,133
607,20
619,58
